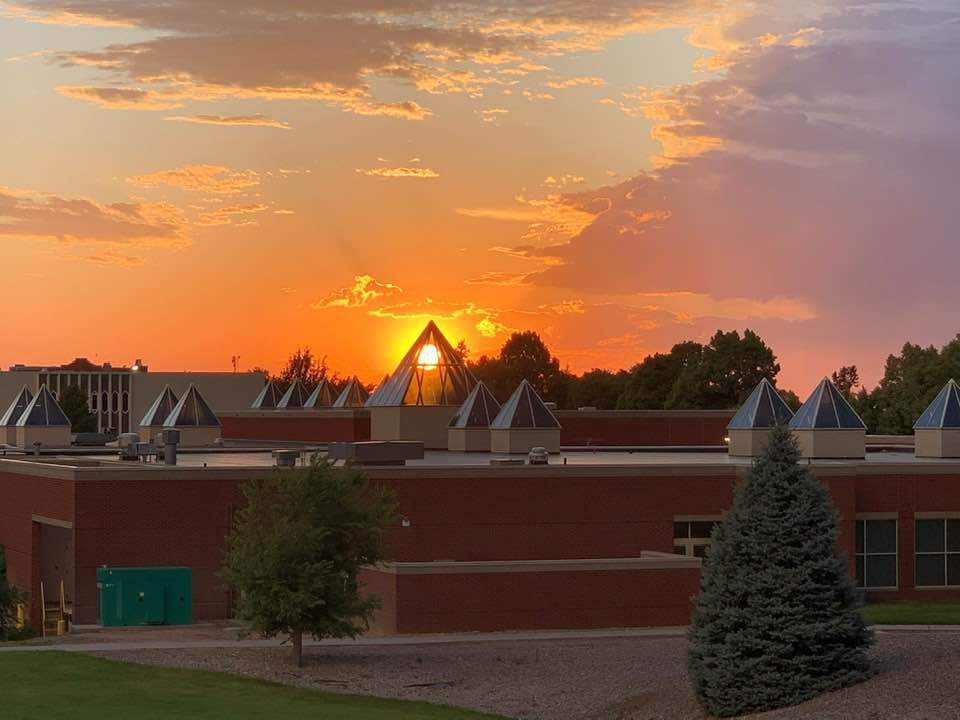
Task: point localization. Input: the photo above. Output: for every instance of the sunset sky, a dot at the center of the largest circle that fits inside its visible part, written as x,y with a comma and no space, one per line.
195,179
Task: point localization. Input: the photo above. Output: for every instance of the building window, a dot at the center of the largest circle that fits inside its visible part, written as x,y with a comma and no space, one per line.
125,401
938,552
692,537
877,553
94,397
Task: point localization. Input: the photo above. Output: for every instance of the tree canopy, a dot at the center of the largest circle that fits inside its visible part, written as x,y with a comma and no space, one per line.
778,619
73,402
910,382
297,548
718,375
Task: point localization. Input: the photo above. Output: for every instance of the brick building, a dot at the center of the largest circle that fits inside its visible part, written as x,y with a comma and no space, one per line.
596,539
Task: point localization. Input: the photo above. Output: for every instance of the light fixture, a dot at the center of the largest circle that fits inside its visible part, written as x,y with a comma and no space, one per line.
429,357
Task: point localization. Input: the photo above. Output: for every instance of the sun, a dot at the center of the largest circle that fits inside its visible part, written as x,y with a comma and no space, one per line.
429,357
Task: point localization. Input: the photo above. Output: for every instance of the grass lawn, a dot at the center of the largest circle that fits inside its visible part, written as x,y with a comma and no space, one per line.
913,613
53,685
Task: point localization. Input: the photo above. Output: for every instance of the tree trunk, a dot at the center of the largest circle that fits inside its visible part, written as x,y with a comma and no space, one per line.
297,637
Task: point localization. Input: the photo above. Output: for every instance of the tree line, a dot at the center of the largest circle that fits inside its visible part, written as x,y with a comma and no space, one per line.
716,375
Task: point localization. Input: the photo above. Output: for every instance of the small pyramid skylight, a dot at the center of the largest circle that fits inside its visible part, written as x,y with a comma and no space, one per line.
43,411
826,408
479,409
524,409
944,411
765,408
296,396
268,398
161,408
192,411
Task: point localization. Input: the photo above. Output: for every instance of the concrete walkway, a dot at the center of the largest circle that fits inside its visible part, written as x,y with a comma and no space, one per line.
76,645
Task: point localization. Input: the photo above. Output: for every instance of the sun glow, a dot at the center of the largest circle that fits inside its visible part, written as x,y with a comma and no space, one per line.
429,357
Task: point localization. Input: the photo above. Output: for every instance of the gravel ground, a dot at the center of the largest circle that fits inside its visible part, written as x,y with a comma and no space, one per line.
608,679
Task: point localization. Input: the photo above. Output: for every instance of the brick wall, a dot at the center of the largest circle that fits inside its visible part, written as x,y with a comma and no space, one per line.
303,427
643,427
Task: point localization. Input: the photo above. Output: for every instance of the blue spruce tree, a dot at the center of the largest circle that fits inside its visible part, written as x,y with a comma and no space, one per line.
778,619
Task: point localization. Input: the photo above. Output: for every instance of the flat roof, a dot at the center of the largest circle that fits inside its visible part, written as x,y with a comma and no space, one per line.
617,458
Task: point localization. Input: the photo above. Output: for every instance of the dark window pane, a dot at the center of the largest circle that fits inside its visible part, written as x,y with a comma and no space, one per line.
860,525
681,530
700,551
929,535
930,570
679,549
951,418
953,569
859,570
701,529
881,536
881,571
826,413
953,535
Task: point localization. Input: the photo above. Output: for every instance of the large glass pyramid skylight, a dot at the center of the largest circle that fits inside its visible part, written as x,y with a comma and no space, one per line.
431,373
524,409
764,409
826,408
479,410
944,411
43,411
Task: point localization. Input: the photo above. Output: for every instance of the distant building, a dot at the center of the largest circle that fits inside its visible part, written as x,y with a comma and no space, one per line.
119,396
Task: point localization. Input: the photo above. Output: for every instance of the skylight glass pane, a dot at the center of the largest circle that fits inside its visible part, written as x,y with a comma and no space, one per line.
523,417
826,412
952,417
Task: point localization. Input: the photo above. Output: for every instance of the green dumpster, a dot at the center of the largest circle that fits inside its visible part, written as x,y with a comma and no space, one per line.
144,596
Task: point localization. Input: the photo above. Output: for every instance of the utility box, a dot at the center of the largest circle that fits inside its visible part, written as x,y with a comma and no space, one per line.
144,596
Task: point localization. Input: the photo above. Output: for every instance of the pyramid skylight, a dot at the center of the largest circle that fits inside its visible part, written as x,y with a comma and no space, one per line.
524,409
764,408
354,395
43,411
192,411
431,373
296,396
479,410
826,408
323,396
944,411
16,408
268,398
161,408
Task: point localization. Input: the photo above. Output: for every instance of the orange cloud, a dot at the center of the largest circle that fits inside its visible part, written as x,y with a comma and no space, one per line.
257,120
215,179
365,288
400,172
228,215
78,221
119,98
576,82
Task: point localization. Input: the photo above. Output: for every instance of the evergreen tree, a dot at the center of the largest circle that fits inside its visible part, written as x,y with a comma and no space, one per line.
778,619
297,548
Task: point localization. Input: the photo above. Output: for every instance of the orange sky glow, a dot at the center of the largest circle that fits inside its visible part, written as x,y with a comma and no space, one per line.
185,182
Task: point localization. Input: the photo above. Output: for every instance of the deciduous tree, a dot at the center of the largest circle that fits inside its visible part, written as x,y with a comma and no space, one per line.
73,402
297,548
